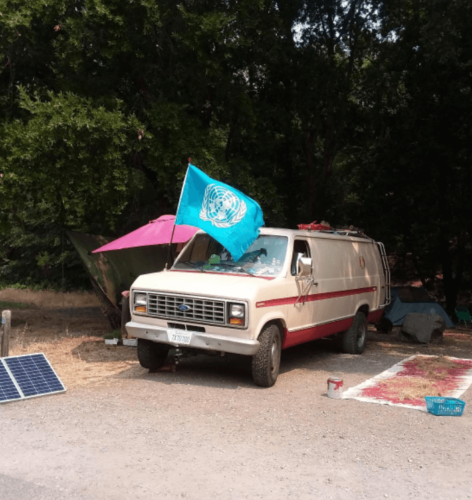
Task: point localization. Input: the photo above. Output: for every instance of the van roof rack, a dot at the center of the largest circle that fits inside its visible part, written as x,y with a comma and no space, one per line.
325,227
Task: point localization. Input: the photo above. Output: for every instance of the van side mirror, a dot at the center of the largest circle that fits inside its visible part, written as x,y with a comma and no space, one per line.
304,267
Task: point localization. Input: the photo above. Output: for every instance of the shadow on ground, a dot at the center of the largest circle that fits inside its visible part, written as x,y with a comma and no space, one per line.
232,371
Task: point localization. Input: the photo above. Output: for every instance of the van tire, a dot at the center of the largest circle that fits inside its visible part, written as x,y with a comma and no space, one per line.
266,362
151,355
353,341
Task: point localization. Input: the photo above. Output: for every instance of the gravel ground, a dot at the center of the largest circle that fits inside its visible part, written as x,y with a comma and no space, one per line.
207,432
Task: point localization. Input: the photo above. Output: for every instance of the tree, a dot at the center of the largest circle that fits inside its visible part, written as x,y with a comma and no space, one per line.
65,166
414,174
350,111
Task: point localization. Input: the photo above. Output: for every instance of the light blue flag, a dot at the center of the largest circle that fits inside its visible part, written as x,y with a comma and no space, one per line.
231,217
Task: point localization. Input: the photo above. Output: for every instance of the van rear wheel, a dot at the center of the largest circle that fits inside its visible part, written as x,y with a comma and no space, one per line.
151,355
266,362
353,341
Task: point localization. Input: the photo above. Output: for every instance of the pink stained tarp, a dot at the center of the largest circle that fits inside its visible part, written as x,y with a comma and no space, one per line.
157,232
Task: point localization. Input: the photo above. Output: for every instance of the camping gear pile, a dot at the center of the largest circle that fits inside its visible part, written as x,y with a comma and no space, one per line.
409,299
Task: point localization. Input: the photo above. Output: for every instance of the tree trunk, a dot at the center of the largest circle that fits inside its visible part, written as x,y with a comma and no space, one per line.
449,284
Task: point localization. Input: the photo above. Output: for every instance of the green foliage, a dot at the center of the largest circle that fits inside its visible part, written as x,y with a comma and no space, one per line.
115,334
36,254
355,112
69,155
65,164
417,161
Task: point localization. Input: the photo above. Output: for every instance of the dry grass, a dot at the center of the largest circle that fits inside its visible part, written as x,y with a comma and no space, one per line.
43,324
82,361
72,339
425,376
435,368
410,388
50,299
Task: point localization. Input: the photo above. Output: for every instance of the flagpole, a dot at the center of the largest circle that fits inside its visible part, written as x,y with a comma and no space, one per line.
178,206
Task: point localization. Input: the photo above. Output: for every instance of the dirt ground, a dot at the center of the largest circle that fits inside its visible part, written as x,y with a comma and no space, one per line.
206,431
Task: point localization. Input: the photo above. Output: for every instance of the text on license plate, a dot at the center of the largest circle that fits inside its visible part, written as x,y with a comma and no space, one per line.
179,336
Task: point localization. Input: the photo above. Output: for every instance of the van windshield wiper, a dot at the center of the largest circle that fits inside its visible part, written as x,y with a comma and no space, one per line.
193,265
238,268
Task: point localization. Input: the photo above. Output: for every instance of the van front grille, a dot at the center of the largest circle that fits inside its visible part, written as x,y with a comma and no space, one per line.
201,310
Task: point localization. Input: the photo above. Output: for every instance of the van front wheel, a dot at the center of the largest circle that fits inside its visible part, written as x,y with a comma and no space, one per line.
266,362
151,355
354,340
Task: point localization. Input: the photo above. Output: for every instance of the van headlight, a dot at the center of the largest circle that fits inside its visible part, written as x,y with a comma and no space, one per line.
237,314
140,302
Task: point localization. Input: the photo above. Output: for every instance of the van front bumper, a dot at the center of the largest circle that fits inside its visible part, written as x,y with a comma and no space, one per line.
199,340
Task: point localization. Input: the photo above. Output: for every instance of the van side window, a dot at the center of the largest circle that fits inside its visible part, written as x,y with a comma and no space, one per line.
300,249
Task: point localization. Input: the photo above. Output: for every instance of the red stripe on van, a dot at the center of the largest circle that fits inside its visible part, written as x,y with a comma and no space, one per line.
315,332
316,296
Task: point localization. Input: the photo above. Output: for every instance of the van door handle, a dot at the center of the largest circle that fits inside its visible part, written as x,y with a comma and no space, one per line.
315,283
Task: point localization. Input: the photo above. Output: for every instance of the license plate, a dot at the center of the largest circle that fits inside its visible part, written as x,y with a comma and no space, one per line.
179,336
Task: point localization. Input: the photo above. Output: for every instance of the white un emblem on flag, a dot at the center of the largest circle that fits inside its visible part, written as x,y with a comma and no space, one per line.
222,207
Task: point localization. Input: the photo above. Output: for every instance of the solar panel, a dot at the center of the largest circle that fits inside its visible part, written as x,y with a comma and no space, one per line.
27,376
8,390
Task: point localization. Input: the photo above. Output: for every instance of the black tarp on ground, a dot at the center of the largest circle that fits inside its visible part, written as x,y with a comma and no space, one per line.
407,300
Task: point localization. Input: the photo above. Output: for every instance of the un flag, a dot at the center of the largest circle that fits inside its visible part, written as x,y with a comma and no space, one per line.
231,217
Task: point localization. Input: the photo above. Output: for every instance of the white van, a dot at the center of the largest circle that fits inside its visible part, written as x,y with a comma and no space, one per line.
289,287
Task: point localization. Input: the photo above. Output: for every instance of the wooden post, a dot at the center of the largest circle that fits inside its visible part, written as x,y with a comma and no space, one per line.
6,327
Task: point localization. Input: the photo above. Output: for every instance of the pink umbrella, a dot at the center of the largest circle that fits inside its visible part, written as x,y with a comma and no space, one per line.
157,232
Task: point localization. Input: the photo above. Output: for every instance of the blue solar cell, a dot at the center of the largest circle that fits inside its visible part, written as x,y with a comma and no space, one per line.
34,375
8,391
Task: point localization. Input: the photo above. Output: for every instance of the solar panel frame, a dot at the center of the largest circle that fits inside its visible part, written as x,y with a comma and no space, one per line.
32,375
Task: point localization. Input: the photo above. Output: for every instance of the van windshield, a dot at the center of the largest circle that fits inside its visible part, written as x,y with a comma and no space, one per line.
265,257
